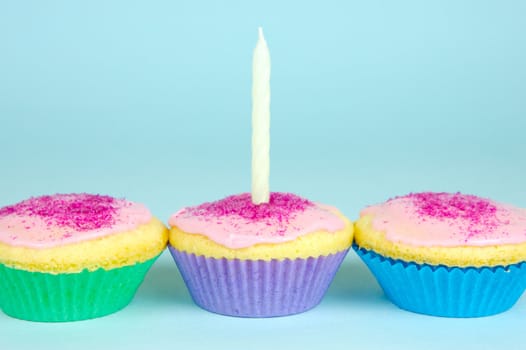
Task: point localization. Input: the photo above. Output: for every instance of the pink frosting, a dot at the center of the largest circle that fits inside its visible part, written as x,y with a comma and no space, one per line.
236,222
49,221
448,219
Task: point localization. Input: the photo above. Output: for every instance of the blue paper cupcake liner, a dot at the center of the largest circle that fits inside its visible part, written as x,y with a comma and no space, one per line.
439,290
257,288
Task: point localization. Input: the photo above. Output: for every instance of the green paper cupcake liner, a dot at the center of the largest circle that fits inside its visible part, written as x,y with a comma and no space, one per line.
47,297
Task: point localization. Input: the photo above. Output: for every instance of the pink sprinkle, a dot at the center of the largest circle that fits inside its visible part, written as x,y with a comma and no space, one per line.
479,213
457,205
81,212
280,207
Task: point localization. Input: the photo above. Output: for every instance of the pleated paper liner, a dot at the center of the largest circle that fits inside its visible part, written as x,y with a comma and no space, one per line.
257,288
46,297
440,290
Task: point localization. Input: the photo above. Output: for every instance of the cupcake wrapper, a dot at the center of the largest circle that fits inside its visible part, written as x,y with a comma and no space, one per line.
46,297
257,288
440,290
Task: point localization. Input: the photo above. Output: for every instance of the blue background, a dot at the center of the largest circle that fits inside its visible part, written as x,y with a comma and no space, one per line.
150,100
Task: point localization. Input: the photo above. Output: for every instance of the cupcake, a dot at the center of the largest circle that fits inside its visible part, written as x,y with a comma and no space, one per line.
69,257
445,254
259,260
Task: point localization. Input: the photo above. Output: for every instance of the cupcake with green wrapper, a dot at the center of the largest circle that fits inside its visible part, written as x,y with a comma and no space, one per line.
445,254
69,257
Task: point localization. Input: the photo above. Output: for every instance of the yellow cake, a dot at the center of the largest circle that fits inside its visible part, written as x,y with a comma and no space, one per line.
121,249
312,244
366,236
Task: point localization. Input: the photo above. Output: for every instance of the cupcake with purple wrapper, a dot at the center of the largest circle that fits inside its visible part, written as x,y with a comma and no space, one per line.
278,258
259,254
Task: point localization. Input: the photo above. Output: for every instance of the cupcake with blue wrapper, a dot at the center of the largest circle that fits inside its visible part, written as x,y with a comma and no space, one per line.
445,254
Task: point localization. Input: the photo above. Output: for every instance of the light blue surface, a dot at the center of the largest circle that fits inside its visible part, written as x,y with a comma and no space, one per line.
151,100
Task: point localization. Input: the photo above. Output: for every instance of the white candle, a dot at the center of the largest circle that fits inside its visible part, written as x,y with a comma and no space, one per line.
260,121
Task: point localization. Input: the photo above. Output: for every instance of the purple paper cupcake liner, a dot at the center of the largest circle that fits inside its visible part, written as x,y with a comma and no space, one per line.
257,288
439,290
